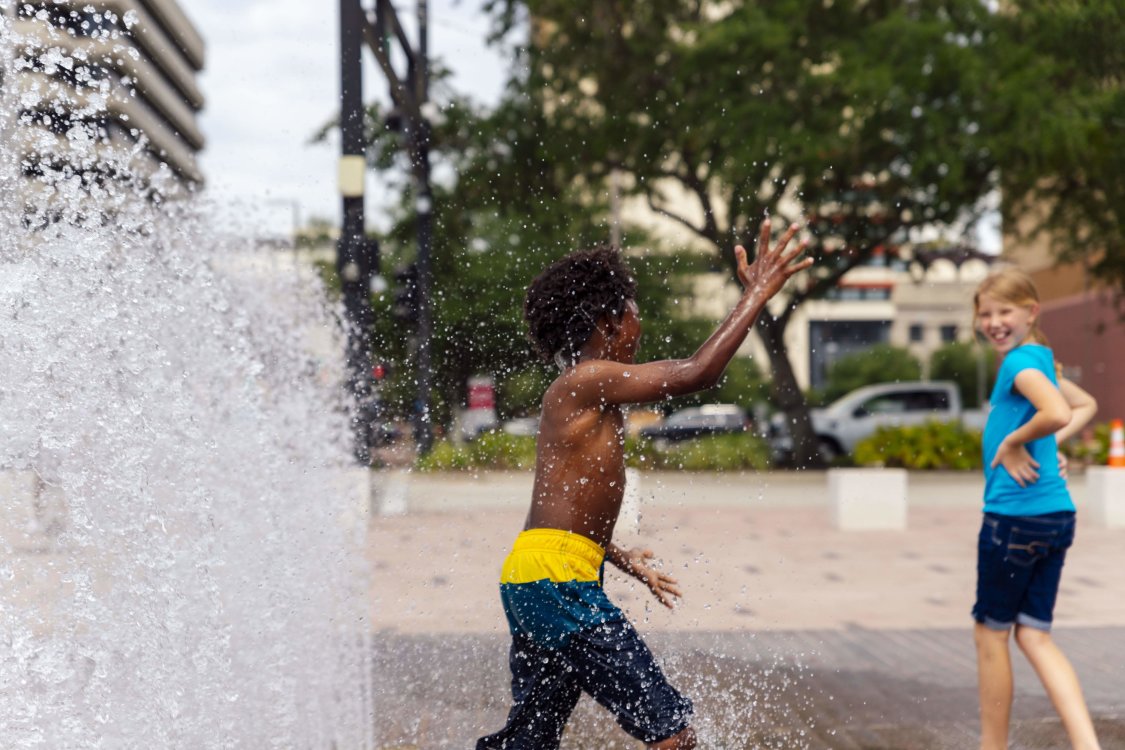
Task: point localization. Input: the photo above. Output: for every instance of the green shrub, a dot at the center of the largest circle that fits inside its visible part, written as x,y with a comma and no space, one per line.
881,363
500,451
961,363
712,453
934,445
1091,448
492,450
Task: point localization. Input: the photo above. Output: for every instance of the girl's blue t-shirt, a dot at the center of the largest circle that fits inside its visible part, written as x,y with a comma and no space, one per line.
1010,411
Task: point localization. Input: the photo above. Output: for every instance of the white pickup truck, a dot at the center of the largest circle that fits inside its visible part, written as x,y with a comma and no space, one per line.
856,415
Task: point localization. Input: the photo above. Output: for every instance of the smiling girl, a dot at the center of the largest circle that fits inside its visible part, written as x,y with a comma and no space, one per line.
1028,514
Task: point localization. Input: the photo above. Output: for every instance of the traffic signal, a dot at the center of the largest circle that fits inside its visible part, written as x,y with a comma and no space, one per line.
405,307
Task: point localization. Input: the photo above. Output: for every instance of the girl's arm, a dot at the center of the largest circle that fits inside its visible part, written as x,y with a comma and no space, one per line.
1051,415
1083,407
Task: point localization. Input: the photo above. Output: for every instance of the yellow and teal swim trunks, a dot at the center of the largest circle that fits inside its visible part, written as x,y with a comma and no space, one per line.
551,586
568,638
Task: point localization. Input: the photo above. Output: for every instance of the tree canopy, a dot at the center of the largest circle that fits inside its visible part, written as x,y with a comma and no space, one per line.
869,120
878,121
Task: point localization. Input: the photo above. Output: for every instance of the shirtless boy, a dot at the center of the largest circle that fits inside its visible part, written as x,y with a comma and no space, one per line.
567,637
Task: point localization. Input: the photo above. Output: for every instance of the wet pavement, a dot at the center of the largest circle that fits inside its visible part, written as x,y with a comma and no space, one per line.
791,634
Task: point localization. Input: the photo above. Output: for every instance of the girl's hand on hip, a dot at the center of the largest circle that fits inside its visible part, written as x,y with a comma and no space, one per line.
1018,463
1064,466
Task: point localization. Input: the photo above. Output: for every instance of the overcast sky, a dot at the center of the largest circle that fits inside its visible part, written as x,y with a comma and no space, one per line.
271,81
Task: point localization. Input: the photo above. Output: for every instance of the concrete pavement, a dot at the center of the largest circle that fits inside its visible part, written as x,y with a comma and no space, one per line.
790,634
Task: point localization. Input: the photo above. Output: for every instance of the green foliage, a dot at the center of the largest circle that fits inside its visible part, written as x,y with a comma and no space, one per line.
870,119
934,445
743,452
1059,93
507,213
962,363
521,392
1091,448
491,450
498,451
882,363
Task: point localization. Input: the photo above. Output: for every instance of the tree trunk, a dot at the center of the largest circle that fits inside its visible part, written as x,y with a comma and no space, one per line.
787,394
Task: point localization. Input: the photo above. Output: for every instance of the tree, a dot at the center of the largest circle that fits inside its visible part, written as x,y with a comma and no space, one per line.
502,212
881,363
1064,70
971,367
871,118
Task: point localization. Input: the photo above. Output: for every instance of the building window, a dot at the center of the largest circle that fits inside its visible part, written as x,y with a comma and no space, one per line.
831,340
949,334
916,332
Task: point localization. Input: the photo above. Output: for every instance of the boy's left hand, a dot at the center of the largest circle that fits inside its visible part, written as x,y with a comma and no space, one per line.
663,586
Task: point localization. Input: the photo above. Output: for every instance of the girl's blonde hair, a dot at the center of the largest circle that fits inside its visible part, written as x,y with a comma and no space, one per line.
1015,287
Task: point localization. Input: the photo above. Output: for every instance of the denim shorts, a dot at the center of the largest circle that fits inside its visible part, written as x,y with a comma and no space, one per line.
1019,562
611,663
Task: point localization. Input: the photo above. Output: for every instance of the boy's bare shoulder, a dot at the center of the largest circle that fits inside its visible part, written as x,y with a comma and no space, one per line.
577,386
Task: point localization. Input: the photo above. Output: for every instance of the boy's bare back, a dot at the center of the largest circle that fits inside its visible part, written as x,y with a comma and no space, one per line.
580,468
580,463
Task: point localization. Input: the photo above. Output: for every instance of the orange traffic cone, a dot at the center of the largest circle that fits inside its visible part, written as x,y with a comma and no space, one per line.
1116,443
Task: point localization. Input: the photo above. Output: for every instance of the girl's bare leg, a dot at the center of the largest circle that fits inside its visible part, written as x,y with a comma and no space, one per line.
994,677
1058,677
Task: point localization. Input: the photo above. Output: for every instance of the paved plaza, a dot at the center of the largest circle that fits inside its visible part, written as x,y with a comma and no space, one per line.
791,634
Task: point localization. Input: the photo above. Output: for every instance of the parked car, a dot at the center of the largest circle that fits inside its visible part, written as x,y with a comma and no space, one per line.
377,427
522,426
710,419
858,414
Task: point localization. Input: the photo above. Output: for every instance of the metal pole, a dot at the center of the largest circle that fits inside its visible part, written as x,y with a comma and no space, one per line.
352,262
420,136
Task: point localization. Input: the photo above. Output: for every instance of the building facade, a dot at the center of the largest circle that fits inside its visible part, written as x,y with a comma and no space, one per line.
127,68
1080,317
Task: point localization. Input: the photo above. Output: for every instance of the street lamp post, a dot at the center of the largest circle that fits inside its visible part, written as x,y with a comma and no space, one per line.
356,258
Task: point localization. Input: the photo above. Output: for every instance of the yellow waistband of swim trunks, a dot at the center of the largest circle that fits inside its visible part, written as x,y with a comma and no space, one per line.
557,540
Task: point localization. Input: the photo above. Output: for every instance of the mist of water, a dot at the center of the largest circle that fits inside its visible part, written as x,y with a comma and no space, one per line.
180,561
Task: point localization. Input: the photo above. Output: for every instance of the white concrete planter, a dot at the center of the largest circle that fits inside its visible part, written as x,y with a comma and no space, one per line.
867,499
1105,488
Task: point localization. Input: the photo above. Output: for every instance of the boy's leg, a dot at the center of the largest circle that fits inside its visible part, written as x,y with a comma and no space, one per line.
1061,682
994,677
544,693
618,670
684,740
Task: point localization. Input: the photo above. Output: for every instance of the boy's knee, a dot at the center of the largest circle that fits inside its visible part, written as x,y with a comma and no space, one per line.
1030,639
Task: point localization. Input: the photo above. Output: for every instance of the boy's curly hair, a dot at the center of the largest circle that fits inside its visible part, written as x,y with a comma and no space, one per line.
564,302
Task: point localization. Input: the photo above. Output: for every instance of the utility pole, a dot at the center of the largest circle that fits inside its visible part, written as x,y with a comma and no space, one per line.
409,94
356,259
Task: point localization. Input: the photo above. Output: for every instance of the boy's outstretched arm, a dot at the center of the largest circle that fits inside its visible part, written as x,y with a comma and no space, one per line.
614,382
636,563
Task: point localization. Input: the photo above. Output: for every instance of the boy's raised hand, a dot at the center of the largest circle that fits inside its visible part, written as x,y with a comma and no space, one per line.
773,265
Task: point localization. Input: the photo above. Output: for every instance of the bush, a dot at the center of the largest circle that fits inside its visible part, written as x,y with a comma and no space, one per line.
712,453
960,363
934,445
881,363
492,450
1091,448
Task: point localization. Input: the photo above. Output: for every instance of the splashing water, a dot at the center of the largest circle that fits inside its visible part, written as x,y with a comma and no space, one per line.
182,567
